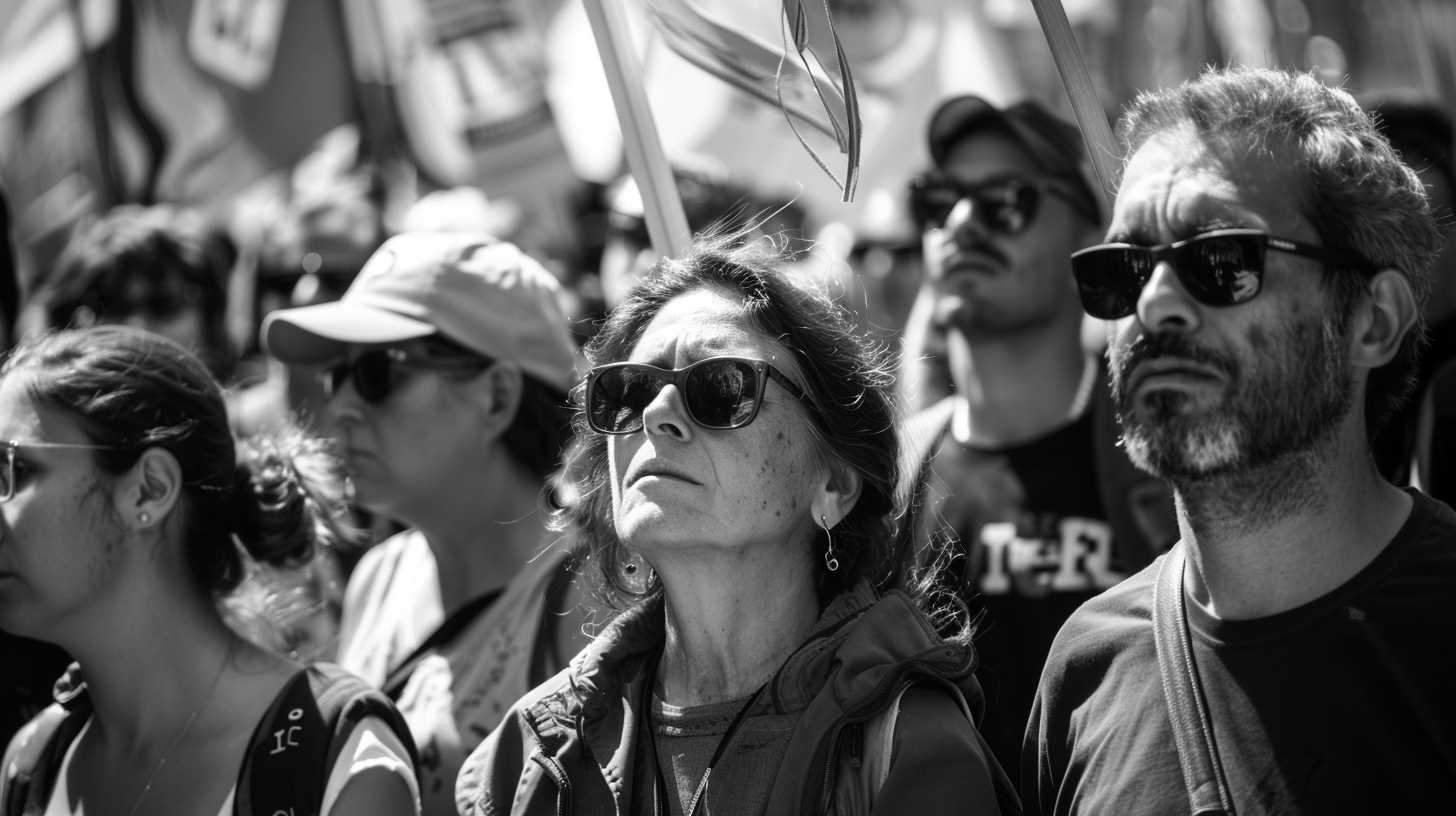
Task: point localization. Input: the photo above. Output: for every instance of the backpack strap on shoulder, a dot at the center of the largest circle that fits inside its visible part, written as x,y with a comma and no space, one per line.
1203,775
35,753
300,737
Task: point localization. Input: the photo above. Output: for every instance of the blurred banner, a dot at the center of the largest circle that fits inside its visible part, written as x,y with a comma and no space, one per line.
191,101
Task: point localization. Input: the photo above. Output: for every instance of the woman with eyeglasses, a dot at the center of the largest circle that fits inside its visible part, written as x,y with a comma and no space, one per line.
447,364
776,653
125,513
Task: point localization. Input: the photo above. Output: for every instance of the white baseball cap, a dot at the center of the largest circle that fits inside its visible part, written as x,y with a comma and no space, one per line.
483,293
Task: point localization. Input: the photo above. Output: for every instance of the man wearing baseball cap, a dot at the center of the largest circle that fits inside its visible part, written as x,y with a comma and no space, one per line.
1020,462
448,361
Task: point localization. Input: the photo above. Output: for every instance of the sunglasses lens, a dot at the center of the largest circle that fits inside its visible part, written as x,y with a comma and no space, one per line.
1008,208
932,202
1221,270
370,372
718,394
1109,280
619,395
722,393
1003,207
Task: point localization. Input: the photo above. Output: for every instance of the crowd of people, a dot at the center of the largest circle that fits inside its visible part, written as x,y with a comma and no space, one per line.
1141,510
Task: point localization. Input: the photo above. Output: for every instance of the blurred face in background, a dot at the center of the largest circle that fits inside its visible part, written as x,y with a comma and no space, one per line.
404,419
996,269
162,304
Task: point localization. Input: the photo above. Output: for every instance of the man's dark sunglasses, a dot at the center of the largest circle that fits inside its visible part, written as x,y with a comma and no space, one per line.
374,376
720,393
1218,268
1004,206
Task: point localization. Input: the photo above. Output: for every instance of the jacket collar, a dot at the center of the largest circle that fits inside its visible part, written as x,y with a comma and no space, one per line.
864,645
861,648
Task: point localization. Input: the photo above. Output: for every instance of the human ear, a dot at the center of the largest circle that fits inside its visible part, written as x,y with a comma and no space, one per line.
833,501
1382,319
149,490
497,393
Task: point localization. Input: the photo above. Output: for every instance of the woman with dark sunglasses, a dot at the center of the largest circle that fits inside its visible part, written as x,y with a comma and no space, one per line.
776,653
125,513
446,365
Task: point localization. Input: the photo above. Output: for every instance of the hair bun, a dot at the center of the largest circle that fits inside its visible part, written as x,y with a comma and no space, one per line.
287,496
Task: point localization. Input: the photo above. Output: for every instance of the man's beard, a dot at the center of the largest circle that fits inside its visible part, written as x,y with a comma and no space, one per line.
1285,401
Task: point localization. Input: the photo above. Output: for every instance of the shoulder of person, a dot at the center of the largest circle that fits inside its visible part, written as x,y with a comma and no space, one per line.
923,754
373,774
496,766
1415,577
1107,625
499,775
322,726
401,548
1430,530
34,753
380,563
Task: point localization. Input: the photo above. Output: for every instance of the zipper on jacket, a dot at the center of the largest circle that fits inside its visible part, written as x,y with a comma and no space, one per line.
558,775
826,787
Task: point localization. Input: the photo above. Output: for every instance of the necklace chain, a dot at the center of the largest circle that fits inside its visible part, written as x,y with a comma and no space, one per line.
660,790
181,734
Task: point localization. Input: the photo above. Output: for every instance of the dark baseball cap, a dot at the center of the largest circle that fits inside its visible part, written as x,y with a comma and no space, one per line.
1052,142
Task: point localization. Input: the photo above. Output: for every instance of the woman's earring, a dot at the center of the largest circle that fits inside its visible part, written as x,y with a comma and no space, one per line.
144,517
831,561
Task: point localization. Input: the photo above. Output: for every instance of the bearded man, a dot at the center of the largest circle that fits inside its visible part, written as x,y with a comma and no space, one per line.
1265,267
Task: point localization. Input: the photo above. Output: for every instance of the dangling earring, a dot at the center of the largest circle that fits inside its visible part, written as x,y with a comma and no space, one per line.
831,561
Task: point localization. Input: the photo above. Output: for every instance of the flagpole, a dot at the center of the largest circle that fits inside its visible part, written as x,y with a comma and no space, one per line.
1101,146
662,208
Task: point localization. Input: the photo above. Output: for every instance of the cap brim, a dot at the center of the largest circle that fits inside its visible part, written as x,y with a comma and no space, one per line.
317,334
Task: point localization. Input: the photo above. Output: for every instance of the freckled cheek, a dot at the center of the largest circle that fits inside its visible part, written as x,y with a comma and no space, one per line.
782,474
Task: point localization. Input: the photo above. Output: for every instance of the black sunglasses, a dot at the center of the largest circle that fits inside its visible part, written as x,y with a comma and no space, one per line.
374,376
720,393
1218,268
1004,206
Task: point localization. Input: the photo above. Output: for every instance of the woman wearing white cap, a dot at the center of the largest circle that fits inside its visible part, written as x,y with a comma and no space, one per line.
449,359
